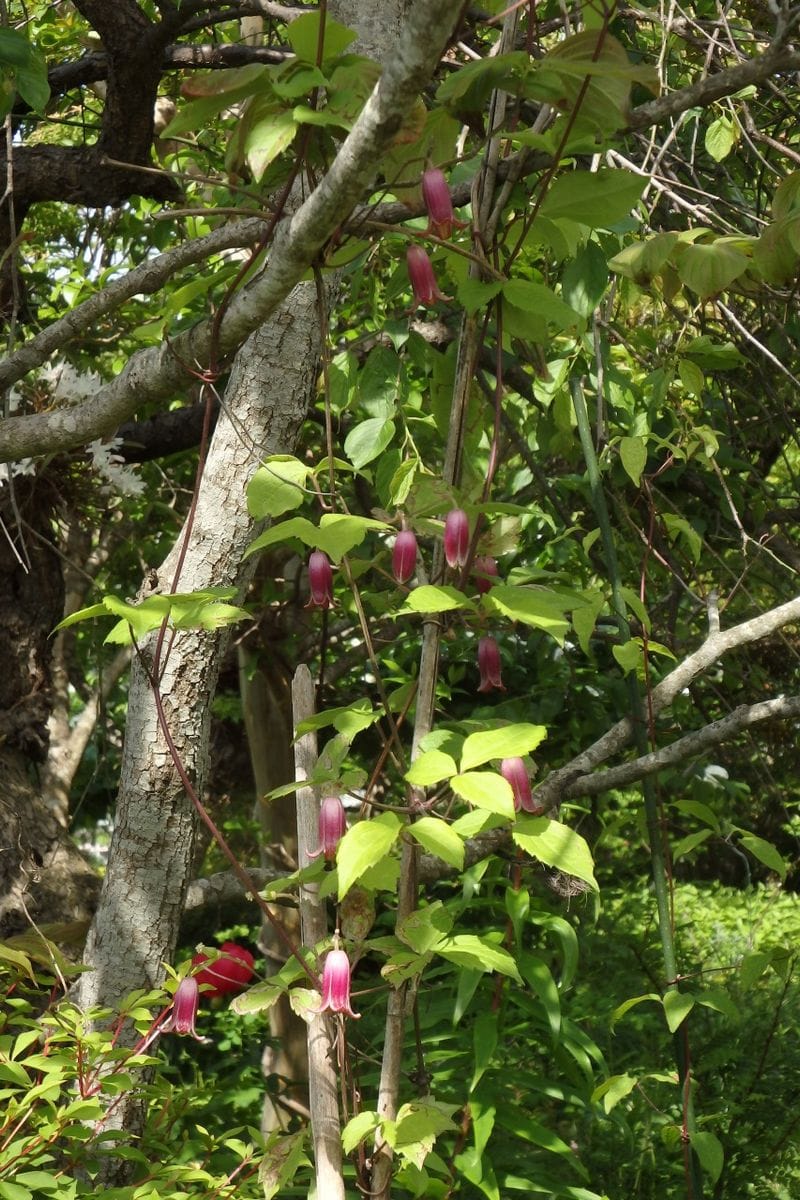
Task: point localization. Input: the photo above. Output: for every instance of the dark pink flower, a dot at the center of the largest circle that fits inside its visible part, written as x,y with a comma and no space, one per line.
489,665
456,537
515,773
320,580
485,571
184,1009
228,973
332,826
404,556
336,984
422,277
436,195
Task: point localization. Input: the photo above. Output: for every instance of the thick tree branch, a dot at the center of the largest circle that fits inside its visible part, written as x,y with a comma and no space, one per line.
777,58
550,792
153,374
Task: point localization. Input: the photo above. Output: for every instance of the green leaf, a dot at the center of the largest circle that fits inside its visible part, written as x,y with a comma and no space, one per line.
537,300
540,980
430,598
358,1128
339,533
633,452
709,268
266,139
469,950
484,1040
349,719
765,852
438,838
431,767
690,842
283,1154
509,741
594,198
367,440
14,1191
32,83
629,655
474,295
708,1149
621,1009
277,486
677,1006
83,614
487,790
303,36
612,1090
534,606
424,928
15,49
364,845
585,279
721,137
556,845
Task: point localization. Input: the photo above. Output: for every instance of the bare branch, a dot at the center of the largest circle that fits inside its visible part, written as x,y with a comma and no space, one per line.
615,739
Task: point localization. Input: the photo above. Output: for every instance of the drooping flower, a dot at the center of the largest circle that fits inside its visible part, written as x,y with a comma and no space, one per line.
485,572
436,195
184,1009
515,773
336,984
320,580
456,537
332,826
404,555
422,276
489,665
228,973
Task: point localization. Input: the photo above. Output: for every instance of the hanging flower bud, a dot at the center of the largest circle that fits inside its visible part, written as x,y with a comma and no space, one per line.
336,984
422,277
485,572
456,537
332,826
436,195
489,665
515,773
404,556
184,1010
232,971
320,580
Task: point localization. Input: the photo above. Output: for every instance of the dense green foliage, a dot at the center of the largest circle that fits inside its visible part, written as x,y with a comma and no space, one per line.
600,1003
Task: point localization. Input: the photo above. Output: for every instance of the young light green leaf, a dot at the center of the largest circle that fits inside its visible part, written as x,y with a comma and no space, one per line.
430,598
612,1090
487,790
556,845
721,137
367,440
431,767
438,838
339,533
277,486
534,606
509,741
358,1128
469,950
364,845
267,138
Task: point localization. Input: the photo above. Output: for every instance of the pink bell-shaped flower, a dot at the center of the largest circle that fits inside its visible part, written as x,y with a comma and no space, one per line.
421,274
485,571
436,195
332,826
336,984
456,537
404,556
184,1009
515,773
320,580
489,665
